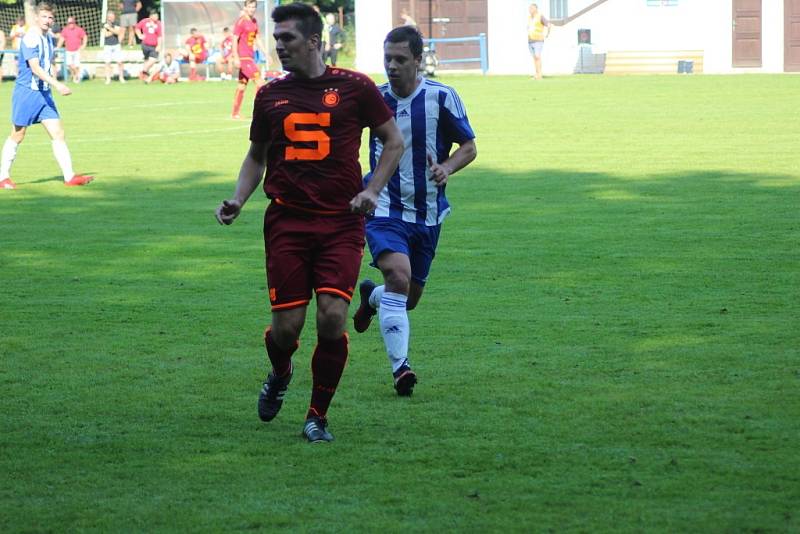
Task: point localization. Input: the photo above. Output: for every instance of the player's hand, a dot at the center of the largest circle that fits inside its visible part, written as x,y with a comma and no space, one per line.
236,63
439,173
63,90
228,211
364,203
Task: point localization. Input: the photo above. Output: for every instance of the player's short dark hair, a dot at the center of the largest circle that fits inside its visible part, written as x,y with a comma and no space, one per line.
43,6
308,21
406,34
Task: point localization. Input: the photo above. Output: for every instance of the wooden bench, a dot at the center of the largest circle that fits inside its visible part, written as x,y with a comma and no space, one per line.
651,61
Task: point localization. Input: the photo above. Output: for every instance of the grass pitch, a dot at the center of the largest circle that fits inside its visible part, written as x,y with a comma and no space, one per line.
608,340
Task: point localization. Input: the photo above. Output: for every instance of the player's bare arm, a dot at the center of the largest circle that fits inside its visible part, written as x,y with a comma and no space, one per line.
391,138
463,156
250,175
259,45
235,52
43,75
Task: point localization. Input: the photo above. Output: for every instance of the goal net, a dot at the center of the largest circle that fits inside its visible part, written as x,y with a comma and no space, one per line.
88,14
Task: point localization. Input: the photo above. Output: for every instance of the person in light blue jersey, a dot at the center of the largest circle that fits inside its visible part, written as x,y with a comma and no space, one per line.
404,230
32,100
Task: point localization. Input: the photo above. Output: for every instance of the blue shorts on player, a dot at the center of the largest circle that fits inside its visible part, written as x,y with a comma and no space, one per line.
31,107
417,241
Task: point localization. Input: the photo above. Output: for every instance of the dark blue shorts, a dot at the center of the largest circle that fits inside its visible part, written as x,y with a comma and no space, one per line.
31,107
417,241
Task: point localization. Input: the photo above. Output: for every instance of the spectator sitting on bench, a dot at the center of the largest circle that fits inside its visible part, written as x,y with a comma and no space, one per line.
223,56
196,52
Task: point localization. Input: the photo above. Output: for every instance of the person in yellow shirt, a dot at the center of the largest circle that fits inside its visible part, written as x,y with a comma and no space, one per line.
2,47
18,31
538,31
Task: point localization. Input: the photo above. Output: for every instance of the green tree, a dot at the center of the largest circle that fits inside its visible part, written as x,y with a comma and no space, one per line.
348,6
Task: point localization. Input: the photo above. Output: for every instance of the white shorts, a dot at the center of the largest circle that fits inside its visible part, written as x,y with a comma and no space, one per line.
73,59
112,53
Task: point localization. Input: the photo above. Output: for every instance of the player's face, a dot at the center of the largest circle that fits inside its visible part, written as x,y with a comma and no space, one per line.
294,50
249,10
400,64
44,20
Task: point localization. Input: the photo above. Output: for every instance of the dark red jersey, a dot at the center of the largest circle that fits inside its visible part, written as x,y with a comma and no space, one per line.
227,46
197,45
314,130
246,29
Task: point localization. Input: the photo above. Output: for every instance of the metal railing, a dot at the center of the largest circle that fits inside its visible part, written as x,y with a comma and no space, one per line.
60,54
480,38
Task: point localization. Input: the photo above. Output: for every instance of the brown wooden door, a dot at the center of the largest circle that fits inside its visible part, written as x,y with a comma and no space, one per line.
746,33
448,18
791,36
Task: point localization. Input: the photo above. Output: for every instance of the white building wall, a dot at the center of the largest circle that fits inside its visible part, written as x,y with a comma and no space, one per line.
507,36
772,32
373,22
617,25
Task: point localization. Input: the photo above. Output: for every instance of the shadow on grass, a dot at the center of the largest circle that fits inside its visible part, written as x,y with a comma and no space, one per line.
563,249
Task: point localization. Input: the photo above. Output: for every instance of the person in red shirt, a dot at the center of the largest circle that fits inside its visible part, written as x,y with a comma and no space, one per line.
150,32
224,62
197,52
73,38
245,42
306,134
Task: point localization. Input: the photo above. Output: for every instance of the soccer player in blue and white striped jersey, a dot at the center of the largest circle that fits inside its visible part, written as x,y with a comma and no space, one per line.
404,231
32,100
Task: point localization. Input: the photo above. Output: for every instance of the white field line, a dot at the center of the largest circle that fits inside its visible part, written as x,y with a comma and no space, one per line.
158,105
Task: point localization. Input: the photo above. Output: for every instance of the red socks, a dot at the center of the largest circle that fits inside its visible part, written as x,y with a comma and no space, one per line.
237,101
281,359
327,366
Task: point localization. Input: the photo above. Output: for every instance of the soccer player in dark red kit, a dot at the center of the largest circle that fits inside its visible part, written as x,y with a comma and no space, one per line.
306,134
245,42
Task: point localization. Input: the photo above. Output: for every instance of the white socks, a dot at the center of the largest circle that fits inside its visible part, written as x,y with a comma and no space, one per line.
7,158
376,296
395,328
64,160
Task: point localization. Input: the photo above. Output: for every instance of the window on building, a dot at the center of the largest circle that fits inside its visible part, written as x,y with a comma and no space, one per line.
558,9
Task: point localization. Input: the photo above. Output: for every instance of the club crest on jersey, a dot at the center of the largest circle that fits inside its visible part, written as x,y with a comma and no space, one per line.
330,99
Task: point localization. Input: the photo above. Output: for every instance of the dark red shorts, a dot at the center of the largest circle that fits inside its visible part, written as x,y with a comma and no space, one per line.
309,252
248,70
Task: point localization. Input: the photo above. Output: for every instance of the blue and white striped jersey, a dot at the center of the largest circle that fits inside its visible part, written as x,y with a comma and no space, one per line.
35,45
431,119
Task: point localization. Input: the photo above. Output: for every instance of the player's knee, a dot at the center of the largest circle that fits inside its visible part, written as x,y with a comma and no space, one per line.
284,335
397,281
331,317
